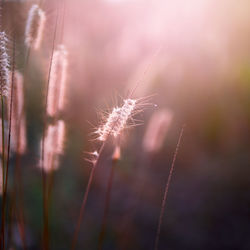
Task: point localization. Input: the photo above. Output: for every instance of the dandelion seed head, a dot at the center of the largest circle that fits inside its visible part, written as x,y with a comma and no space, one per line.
4,65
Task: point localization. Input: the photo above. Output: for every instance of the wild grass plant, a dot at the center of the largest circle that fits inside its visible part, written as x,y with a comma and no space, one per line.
110,133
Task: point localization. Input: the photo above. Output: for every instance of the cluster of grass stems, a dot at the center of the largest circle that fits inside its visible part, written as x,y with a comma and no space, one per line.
112,127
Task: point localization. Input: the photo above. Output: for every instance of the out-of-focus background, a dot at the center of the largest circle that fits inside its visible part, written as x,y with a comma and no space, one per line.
193,57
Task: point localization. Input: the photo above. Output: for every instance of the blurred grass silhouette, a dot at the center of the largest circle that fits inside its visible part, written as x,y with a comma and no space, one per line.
202,74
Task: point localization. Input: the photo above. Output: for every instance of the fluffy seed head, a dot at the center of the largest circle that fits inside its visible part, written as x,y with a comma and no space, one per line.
4,65
53,146
34,27
156,130
18,123
57,83
116,120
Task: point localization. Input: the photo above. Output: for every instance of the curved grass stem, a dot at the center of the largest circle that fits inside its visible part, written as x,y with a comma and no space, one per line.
163,205
107,202
84,200
44,178
3,175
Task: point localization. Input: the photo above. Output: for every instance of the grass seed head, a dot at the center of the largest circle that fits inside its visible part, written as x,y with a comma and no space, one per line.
18,122
53,146
4,65
116,121
35,27
57,83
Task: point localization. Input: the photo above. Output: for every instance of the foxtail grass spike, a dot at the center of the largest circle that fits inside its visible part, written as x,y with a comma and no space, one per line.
4,65
18,124
117,120
57,81
53,146
35,27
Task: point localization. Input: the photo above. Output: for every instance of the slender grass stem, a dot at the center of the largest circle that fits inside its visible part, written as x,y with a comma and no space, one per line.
44,179
107,202
20,224
3,173
50,183
163,205
84,200
10,120
18,190
18,193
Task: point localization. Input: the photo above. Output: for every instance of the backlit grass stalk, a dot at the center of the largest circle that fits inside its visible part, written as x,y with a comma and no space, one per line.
163,205
45,200
57,85
9,132
18,146
115,158
53,148
4,91
18,193
85,197
153,141
112,126
34,27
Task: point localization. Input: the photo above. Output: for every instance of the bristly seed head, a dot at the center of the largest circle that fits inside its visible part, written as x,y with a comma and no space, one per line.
34,27
53,146
57,82
117,120
4,65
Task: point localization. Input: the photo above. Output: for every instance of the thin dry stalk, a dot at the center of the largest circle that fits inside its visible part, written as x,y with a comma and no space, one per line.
3,163
4,89
113,126
45,200
85,197
163,205
18,194
9,134
107,202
